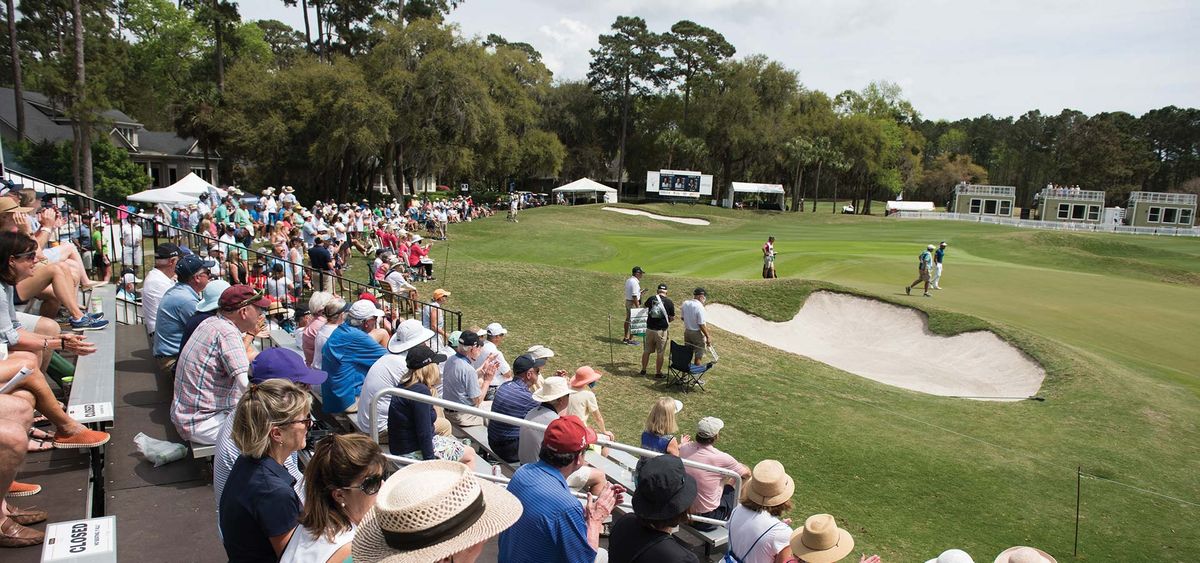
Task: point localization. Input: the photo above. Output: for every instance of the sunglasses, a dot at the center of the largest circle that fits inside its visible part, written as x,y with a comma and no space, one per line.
369,486
307,422
25,255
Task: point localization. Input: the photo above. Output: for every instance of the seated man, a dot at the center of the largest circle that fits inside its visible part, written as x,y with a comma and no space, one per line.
462,383
714,498
387,372
214,367
514,398
177,306
495,335
347,356
554,397
554,526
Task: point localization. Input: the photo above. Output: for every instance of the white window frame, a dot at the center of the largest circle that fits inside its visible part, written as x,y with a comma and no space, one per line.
1185,216
1093,213
1005,208
1154,215
993,203
976,206
1170,215
1064,211
1078,212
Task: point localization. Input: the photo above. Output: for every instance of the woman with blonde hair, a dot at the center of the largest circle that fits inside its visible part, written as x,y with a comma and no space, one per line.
411,423
259,509
340,484
660,430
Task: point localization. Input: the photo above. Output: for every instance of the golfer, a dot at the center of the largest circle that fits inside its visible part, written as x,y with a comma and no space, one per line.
924,265
937,265
633,300
769,258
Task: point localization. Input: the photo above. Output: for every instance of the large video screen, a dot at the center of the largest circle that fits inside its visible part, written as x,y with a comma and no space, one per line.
678,183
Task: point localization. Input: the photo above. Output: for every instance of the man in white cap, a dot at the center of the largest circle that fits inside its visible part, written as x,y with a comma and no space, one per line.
938,256
494,337
714,498
347,356
924,267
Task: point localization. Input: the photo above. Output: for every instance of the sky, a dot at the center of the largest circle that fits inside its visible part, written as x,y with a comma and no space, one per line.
953,59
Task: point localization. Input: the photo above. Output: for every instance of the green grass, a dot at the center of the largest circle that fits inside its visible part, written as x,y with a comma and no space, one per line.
1115,321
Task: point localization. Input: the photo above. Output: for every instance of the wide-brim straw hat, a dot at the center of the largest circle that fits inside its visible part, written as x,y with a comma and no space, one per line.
821,540
584,376
1024,554
431,510
410,333
552,388
769,484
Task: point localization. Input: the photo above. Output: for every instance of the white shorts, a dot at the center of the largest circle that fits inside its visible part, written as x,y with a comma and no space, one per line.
207,430
28,321
55,254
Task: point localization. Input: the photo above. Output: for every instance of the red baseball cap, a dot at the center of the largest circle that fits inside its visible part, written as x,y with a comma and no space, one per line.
367,295
568,434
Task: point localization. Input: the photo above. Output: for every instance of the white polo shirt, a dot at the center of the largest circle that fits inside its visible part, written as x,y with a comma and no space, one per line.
633,289
153,289
693,314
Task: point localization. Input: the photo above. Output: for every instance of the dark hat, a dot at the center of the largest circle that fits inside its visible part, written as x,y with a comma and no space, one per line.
468,338
239,296
191,264
699,291
281,363
664,489
662,287
638,270
525,362
167,250
420,356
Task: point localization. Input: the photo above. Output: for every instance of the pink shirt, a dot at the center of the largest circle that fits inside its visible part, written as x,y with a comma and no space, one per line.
310,338
708,484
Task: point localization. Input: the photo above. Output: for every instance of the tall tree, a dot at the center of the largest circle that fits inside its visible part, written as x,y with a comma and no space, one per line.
627,64
15,56
82,113
698,50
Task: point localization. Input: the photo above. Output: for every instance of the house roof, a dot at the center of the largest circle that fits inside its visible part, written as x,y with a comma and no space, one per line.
41,125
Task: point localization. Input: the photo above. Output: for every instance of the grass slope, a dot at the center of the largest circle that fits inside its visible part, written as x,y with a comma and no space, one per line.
1113,319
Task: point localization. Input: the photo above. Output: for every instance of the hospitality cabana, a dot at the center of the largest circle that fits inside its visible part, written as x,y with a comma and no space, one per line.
587,190
767,196
975,199
1158,209
1070,205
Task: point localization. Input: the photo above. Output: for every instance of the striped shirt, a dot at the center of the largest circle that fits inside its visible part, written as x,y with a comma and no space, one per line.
206,376
552,525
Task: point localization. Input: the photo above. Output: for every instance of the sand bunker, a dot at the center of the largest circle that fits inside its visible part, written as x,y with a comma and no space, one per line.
684,220
892,345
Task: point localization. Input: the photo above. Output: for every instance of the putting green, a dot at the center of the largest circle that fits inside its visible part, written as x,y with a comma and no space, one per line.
1113,319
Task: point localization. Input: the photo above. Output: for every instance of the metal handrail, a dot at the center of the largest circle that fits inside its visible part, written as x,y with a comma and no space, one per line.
600,439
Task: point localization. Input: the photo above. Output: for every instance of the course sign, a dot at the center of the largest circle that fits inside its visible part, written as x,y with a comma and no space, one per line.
82,541
679,183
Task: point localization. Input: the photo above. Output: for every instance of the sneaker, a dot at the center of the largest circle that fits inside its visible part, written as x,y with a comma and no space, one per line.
19,489
86,322
937,287
927,294
660,375
642,372
82,439
96,316
908,291
633,342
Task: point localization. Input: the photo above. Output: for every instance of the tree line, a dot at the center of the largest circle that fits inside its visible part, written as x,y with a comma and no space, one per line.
388,90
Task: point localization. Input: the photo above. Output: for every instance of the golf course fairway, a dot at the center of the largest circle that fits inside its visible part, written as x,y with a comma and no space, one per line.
1114,320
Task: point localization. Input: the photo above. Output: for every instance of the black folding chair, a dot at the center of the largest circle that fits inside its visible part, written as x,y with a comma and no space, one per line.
682,372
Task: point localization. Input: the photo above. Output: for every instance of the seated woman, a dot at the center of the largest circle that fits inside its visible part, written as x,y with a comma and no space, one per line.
53,283
259,509
756,534
66,253
20,348
341,481
410,423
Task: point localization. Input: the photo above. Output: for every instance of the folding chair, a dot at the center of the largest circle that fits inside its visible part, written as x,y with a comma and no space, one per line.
682,372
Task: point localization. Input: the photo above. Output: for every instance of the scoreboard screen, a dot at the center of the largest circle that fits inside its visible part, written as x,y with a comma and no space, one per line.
678,183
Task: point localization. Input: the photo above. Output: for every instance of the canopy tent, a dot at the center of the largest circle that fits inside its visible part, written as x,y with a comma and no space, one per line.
894,206
589,188
165,196
772,194
194,185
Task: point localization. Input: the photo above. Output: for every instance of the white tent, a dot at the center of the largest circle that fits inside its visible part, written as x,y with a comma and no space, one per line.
194,185
773,193
589,189
893,206
165,196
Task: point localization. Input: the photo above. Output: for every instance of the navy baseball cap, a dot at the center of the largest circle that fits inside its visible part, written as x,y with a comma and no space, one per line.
189,265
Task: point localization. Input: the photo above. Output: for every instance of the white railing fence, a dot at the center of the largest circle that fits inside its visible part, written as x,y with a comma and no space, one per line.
1052,225
601,440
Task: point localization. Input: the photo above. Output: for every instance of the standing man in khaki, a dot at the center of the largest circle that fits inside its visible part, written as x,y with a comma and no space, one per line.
661,312
633,300
695,327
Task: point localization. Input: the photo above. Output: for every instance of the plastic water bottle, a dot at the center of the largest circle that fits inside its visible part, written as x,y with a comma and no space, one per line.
97,305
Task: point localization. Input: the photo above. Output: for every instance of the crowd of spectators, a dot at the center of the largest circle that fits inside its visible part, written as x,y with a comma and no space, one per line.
257,407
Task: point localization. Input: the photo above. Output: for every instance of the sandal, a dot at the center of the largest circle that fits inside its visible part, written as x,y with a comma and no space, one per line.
37,444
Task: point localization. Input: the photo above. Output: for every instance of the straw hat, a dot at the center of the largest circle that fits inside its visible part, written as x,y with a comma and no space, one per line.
1022,554
821,540
431,510
539,351
769,484
277,308
553,388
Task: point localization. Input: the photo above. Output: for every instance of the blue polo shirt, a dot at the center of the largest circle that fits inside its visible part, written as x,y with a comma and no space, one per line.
258,503
552,527
177,306
347,356
514,399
